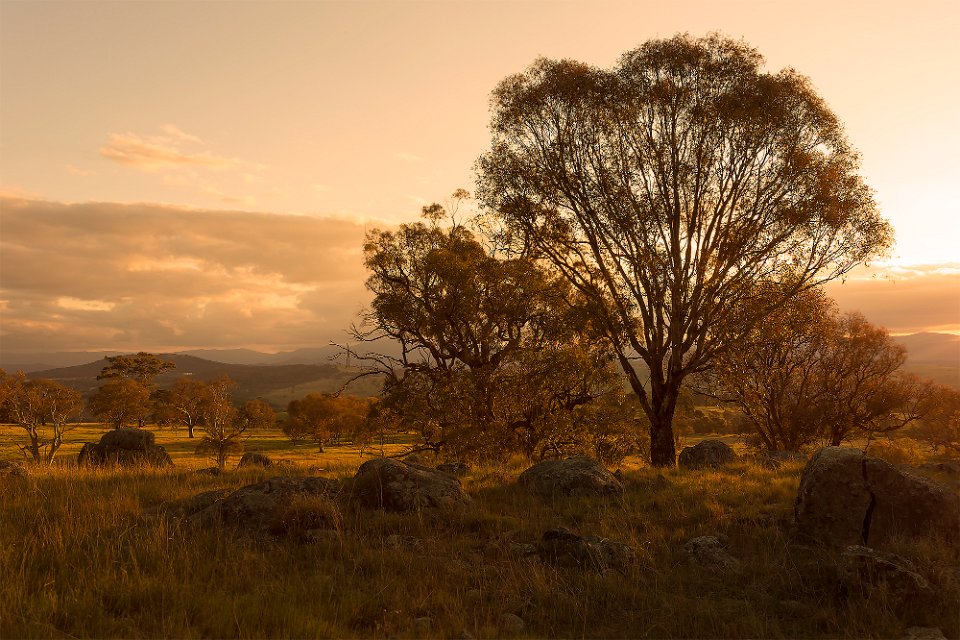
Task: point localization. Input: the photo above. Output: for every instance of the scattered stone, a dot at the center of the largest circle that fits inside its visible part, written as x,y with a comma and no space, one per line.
661,482
465,635
865,569
255,459
710,552
579,476
563,547
458,469
924,633
846,497
397,541
188,506
511,623
424,625
523,550
707,453
385,483
416,459
321,535
209,471
125,447
269,506
947,467
10,469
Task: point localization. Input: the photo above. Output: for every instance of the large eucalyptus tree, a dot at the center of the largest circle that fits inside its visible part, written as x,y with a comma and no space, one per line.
667,188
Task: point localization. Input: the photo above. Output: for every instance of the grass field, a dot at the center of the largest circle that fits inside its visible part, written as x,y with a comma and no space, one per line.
273,442
79,559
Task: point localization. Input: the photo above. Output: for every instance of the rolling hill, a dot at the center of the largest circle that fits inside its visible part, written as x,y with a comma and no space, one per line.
277,384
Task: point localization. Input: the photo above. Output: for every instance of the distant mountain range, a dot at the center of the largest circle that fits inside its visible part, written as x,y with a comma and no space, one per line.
281,377
274,383
30,362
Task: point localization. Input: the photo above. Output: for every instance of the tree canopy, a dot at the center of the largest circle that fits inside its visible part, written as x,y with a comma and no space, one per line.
665,189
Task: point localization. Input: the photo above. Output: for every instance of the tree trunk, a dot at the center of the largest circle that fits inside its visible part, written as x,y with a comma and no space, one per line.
663,453
189,430
663,404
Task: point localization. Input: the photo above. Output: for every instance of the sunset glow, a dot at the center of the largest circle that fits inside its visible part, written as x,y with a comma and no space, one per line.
185,175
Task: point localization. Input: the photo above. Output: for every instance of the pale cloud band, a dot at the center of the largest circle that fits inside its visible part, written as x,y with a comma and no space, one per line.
102,276
147,276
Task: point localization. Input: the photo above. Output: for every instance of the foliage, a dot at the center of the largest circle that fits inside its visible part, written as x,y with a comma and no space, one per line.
808,373
121,402
324,418
494,353
256,415
142,367
42,408
181,404
223,432
940,425
665,189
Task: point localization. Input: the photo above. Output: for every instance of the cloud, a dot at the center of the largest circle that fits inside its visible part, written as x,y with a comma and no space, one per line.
159,153
147,276
905,298
75,171
407,157
176,132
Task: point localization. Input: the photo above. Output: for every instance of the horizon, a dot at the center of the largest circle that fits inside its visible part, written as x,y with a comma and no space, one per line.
210,188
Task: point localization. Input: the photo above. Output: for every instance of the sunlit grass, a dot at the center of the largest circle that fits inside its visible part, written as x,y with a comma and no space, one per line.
78,558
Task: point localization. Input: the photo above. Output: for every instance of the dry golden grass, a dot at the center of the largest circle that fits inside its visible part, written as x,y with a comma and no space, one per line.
78,558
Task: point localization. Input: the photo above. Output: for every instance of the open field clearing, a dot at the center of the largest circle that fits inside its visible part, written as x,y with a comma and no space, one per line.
79,558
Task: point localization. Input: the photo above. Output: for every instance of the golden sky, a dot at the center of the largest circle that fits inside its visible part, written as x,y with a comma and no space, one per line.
200,174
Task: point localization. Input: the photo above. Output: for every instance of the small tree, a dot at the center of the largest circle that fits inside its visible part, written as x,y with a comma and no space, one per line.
257,415
809,372
940,425
182,404
223,431
43,408
121,402
142,367
494,351
324,418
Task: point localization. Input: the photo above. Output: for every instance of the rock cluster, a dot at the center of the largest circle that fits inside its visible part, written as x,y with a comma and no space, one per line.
255,459
710,553
846,497
865,569
12,469
395,485
262,507
562,547
579,476
125,447
707,453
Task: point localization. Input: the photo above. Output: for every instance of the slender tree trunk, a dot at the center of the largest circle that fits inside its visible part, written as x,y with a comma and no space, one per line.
190,430
663,404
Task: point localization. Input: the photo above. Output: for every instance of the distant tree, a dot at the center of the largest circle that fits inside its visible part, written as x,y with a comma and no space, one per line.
43,408
142,367
257,415
121,402
808,372
324,418
182,404
223,432
940,425
665,189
